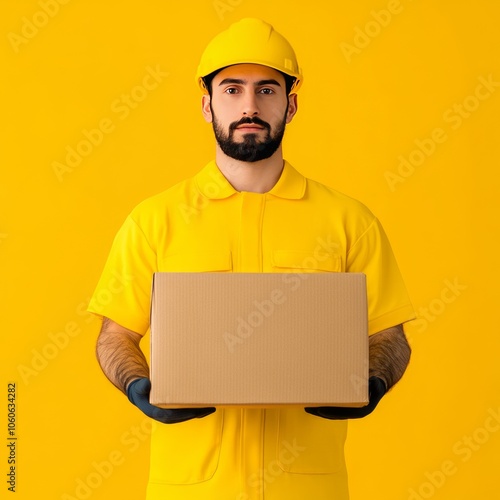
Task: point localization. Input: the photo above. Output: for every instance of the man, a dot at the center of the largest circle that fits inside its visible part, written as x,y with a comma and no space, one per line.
248,211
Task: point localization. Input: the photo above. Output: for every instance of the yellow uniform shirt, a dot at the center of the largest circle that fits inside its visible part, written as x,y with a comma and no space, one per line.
204,224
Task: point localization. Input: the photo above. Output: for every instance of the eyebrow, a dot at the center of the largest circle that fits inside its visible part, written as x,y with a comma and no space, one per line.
238,81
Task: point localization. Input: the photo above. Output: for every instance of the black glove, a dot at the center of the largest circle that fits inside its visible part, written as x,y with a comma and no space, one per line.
377,390
138,394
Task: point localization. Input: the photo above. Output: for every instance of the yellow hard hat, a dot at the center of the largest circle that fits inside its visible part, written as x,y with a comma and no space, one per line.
249,41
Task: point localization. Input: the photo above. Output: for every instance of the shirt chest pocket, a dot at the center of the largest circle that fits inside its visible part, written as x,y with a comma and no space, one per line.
196,262
297,261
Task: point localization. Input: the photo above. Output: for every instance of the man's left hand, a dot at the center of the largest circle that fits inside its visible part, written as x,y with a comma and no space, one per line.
377,389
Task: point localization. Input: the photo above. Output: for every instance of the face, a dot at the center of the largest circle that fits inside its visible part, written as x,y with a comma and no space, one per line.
249,109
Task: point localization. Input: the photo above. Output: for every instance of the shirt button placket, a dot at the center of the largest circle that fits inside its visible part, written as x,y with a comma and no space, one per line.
250,247
249,261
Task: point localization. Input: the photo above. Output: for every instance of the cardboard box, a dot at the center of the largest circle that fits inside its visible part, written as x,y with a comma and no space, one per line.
259,339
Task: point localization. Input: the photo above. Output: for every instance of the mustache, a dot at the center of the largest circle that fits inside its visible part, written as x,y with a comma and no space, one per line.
246,120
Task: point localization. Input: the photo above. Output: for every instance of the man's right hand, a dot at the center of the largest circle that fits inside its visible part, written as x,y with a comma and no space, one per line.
138,393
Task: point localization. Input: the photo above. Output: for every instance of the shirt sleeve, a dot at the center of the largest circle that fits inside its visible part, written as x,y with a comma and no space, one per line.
388,300
123,293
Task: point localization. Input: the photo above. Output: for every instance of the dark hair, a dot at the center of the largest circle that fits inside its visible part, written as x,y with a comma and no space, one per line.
289,81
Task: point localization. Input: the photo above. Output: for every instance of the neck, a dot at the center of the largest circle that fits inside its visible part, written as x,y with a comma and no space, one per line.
255,177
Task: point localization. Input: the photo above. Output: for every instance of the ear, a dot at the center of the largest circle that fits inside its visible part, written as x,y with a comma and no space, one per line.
292,107
205,108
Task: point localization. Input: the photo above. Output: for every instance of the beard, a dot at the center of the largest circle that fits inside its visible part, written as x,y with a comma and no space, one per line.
250,149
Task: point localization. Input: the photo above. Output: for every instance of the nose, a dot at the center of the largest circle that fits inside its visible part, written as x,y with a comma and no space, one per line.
250,106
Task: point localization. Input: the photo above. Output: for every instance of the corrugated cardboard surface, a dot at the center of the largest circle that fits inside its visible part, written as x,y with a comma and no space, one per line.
261,339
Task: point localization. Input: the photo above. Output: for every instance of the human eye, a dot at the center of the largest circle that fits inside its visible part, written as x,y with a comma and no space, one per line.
231,90
266,91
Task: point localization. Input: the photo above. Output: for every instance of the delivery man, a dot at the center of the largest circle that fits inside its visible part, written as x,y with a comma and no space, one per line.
248,211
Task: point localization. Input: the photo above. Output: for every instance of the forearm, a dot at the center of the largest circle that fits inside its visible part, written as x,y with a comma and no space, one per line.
389,355
120,356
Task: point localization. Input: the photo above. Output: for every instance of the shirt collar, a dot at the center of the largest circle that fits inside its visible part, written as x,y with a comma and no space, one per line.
291,185
213,185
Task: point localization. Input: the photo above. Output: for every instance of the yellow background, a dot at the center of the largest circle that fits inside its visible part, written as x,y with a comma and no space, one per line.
359,110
